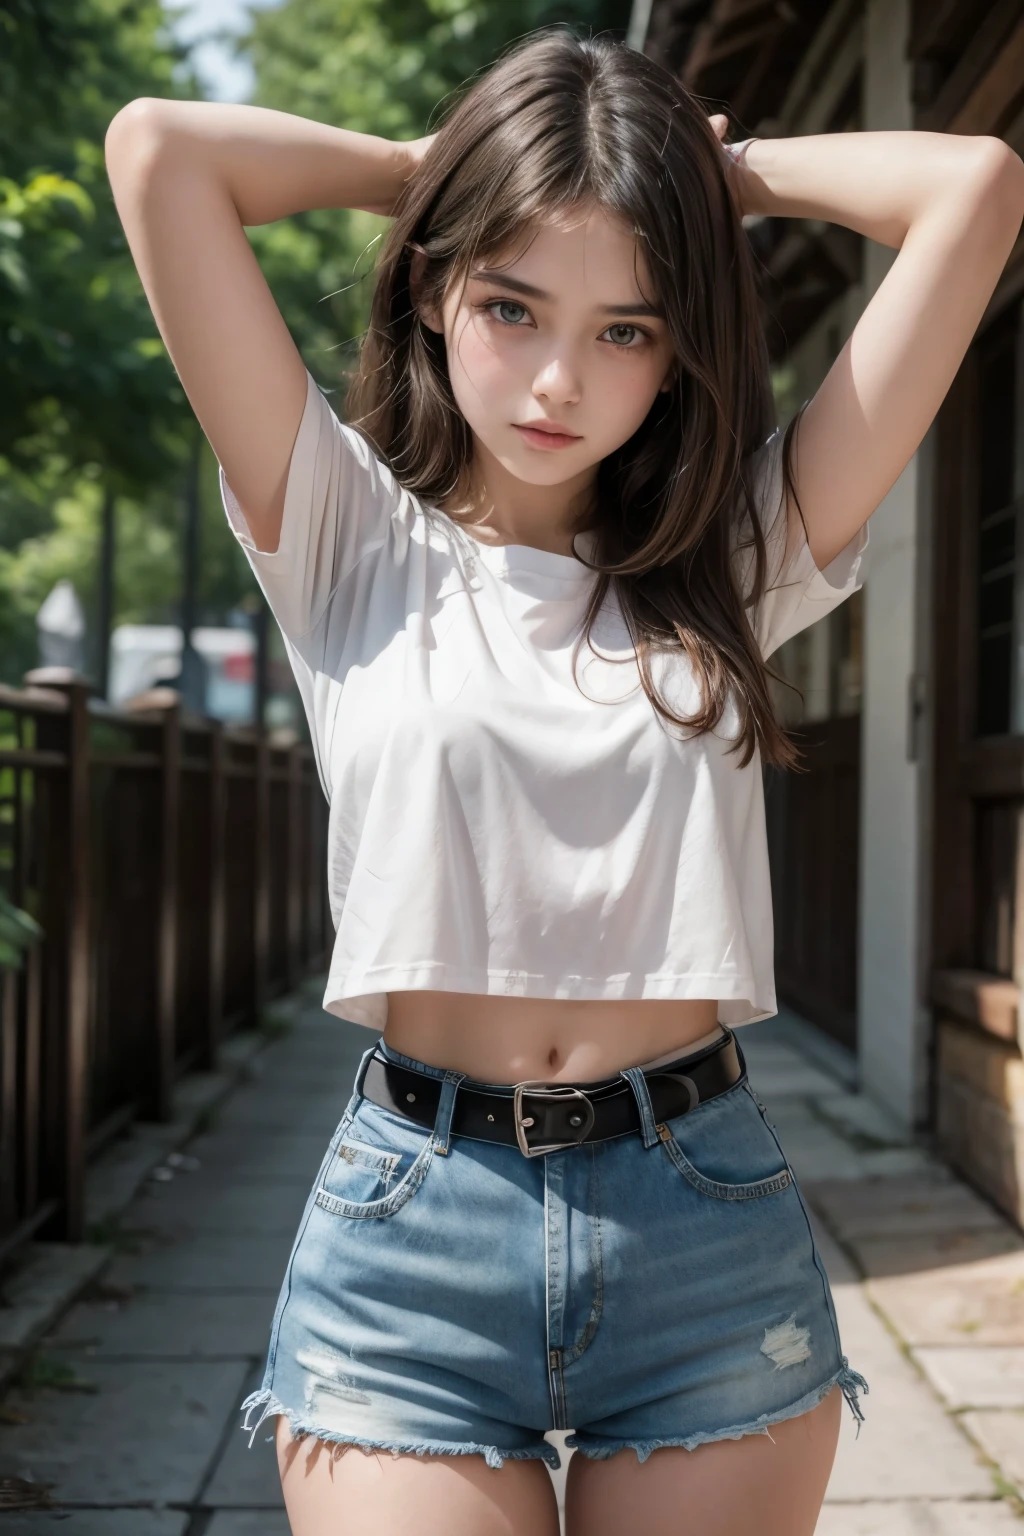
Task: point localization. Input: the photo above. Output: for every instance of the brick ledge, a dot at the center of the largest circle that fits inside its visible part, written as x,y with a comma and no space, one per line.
989,1002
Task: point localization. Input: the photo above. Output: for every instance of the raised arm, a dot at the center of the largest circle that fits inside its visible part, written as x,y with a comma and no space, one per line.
952,206
187,176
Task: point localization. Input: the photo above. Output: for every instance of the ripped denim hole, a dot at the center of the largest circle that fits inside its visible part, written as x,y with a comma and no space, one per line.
301,1427
786,1343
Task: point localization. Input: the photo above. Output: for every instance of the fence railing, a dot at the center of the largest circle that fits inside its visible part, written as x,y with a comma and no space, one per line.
177,870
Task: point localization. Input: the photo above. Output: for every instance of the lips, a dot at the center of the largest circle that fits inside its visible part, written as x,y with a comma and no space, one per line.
546,434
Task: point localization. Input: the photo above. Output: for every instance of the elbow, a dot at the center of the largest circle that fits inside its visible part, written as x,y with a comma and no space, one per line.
137,134
997,180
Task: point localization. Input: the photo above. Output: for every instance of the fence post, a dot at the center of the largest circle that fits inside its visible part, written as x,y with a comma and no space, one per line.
294,866
218,895
162,1098
8,1100
261,894
76,1060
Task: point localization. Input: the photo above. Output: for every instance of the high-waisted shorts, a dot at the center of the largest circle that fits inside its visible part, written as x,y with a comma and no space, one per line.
450,1296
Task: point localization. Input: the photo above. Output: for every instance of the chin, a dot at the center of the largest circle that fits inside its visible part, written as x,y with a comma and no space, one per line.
553,469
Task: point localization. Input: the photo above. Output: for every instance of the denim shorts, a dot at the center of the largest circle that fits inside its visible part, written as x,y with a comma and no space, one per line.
451,1296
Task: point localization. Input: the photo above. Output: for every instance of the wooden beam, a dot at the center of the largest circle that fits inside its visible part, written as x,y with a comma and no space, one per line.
995,94
936,22
740,10
759,68
739,42
817,62
703,41
990,1002
979,57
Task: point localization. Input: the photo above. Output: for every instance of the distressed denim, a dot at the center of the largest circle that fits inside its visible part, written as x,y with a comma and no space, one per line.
448,1296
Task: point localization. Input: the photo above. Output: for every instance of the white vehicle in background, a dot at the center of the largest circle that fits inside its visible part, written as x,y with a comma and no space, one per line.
144,656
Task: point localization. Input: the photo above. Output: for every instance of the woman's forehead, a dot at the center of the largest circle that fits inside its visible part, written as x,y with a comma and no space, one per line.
586,247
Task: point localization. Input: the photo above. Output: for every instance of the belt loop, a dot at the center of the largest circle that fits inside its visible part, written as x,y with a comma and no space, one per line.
361,1071
445,1110
636,1080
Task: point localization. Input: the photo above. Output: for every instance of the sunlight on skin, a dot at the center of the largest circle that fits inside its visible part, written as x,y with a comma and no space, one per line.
706,1492
358,1494
581,351
711,1491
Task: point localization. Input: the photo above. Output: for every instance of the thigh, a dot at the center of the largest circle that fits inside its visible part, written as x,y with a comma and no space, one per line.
772,1484
332,1490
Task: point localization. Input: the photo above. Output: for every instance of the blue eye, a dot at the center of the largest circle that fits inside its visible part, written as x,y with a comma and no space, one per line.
501,307
623,335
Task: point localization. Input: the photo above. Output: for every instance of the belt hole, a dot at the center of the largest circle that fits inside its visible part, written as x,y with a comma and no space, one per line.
491,1119
410,1098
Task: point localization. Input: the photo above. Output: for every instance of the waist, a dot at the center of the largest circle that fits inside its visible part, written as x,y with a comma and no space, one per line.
542,1117
511,1039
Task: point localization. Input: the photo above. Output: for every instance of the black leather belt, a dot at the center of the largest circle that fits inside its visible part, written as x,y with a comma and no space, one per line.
541,1117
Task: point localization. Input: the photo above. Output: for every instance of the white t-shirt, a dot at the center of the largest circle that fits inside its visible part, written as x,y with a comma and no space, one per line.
493,828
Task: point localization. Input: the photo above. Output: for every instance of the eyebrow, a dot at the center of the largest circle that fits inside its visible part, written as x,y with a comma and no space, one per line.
516,284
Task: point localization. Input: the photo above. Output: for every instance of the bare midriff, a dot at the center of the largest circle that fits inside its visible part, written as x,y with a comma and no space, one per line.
510,1039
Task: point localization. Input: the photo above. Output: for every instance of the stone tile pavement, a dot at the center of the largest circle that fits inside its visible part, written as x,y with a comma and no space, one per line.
129,1409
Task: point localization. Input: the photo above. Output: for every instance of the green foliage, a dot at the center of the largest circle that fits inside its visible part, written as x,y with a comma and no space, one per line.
386,66
83,376
88,398
89,401
18,932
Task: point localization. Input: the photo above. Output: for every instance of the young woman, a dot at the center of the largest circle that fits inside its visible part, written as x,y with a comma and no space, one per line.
529,592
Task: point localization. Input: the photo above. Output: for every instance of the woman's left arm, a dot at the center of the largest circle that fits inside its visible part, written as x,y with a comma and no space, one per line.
952,206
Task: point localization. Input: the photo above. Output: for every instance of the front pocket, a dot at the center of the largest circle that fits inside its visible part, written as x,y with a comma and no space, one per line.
724,1148
360,1173
379,1160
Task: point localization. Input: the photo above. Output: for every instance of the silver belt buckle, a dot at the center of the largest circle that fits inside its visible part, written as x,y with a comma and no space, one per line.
540,1089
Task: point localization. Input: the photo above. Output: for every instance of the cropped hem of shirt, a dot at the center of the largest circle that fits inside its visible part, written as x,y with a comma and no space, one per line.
351,997
489,800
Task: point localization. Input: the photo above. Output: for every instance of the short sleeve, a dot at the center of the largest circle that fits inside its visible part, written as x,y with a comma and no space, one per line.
339,499
796,592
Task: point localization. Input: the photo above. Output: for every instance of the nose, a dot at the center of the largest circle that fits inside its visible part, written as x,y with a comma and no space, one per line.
558,381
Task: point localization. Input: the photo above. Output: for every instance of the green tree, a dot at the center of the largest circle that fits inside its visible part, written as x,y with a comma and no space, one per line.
89,402
83,375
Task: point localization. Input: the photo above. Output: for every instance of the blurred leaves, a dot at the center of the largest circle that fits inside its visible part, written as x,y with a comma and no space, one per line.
18,932
87,393
77,380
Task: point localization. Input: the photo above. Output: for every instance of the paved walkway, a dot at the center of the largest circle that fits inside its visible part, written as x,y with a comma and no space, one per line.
132,1415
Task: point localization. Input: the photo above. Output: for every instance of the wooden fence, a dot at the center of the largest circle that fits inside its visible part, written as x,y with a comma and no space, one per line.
177,869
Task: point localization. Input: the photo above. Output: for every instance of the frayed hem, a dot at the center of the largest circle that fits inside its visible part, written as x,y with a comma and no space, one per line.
850,1382
493,1456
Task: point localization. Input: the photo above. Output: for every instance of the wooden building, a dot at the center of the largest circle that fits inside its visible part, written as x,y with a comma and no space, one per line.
898,858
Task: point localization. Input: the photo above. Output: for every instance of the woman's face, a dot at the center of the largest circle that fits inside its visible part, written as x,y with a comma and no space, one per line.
555,354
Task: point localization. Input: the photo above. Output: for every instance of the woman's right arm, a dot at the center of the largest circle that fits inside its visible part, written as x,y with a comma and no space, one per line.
187,177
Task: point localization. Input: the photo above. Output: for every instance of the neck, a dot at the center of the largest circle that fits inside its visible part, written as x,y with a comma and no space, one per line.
502,509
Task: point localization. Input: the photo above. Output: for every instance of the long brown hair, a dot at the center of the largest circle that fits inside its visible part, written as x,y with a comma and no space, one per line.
560,122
